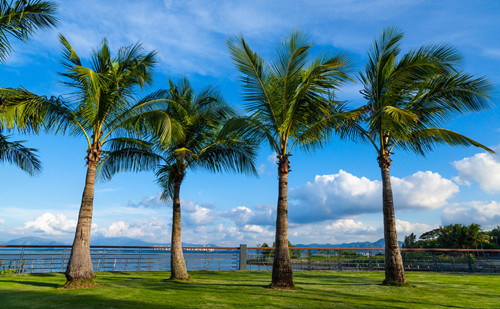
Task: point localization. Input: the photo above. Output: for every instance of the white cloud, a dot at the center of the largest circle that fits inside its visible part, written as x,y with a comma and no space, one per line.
242,215
152,229
251,228
485,213
333,232
262,168
50,224
272,158
484,168
200,216
153,201
343,194
406,227
349,226
2,221
423,190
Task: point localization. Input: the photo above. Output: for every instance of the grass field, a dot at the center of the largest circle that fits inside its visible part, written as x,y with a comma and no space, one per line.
315,289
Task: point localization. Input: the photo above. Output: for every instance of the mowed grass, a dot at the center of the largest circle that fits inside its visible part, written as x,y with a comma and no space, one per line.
315,289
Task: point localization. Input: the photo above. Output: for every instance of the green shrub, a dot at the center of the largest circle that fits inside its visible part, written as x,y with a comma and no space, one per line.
7,271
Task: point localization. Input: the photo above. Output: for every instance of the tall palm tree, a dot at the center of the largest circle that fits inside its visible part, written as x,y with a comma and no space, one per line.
408,98
290,99
102,109
21,19
200,141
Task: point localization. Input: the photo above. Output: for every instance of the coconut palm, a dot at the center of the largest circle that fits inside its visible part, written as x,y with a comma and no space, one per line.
21,19
101,109
290,99
200,141
408,98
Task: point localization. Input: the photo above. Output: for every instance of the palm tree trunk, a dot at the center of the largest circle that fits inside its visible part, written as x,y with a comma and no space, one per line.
394,269
282,268
79,272
177,264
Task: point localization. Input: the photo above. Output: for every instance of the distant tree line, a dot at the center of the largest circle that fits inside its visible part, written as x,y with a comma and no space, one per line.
455,236
294,254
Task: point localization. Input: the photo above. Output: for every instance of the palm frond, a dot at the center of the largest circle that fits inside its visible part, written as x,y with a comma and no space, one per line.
22,19
421,141
14,152
127,155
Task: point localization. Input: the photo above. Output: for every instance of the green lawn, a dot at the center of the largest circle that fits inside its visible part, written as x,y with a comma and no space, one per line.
316,289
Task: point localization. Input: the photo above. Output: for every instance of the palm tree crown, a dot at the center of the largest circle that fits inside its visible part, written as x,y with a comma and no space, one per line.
199,140
408,99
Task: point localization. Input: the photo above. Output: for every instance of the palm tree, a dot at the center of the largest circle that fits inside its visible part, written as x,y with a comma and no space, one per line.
20,19
101,109
200,141
290,100
407,100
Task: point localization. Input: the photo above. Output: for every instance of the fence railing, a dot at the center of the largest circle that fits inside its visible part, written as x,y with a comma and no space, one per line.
38,259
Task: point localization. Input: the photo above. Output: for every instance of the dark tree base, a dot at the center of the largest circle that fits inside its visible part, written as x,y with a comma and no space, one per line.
282,287
183,279
80,284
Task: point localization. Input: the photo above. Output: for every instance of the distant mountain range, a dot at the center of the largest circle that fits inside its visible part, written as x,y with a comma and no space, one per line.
125,241
33,241
365,244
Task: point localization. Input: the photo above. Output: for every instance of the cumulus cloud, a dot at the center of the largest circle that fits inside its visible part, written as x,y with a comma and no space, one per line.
51,224
406,227
349,226
485,213
261,215
343,194
2,221
153,201
152,229
484,168
200,215
423,190
334,232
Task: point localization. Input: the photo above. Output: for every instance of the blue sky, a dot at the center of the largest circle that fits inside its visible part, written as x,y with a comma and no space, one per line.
335,193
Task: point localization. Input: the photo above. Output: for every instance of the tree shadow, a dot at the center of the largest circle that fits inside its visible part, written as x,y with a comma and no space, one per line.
29,299
34,283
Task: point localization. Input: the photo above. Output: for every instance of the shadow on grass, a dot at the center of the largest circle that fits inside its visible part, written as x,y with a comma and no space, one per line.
35,283
46,274
28,299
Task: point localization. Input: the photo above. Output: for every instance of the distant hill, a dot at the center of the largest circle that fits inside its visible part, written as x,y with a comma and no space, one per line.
33,241
365,244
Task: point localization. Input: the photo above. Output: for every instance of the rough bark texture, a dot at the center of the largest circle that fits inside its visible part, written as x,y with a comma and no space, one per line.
177,263
394,269
79,272
282,268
